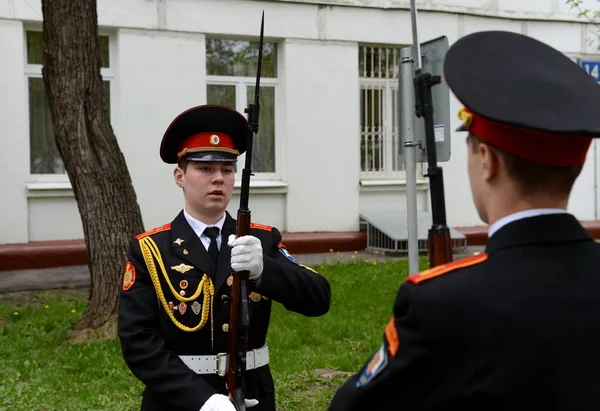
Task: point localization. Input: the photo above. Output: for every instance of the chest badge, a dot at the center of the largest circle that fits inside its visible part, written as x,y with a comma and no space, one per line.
182,268
196,307
182,308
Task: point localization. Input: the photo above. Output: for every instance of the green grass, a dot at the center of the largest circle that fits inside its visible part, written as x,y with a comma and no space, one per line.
41,370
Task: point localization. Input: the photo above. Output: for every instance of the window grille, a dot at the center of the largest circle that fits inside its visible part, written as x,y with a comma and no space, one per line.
378,71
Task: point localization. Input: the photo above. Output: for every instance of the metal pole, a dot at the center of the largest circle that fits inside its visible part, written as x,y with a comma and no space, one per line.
415,34
407,121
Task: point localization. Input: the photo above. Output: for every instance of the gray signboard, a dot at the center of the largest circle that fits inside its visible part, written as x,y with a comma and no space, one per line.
432,57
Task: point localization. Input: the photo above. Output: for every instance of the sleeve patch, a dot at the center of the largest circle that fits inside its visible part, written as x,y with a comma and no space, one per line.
391,335
446,268
261,227
287,255
158,229
374,367
128,276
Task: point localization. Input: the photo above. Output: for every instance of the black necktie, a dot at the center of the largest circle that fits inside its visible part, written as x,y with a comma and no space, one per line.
213,250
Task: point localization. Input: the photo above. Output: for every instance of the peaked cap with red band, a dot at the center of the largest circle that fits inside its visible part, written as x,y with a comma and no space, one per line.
524,97
205,133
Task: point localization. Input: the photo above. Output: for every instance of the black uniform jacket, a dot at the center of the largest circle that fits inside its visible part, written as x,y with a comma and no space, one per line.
517,327
151,343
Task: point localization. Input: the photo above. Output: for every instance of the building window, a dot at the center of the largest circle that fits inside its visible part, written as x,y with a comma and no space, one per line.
231,81
379,112
44,156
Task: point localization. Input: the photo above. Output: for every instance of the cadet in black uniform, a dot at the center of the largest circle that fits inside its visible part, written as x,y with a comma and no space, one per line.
175,297
518,326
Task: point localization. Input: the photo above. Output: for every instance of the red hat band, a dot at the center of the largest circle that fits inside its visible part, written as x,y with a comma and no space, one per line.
540,147
207,141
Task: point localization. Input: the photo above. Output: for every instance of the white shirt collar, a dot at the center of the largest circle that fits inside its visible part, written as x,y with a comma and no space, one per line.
520,215
199,226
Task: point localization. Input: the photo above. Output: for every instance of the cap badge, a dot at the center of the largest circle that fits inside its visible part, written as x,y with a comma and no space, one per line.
214,140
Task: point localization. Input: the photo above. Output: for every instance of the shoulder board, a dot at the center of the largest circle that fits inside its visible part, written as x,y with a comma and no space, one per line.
155,230
446,268
261,226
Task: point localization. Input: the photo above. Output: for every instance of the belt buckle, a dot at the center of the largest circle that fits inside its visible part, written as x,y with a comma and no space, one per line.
221,372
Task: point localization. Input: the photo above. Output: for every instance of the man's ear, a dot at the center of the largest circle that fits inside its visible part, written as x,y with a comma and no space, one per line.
488,161
178,175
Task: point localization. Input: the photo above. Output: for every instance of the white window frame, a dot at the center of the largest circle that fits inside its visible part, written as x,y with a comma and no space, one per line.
59,184
241,90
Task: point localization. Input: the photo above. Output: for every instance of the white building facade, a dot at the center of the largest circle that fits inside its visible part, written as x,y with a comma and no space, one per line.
327,147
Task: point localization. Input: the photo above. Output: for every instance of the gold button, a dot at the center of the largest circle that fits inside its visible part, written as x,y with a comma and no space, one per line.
255,297
225,327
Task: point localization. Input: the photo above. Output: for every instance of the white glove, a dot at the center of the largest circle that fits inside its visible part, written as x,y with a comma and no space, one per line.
220,402
246,255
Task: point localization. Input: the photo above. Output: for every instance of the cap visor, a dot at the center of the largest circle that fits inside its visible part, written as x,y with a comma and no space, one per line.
211,156
463,127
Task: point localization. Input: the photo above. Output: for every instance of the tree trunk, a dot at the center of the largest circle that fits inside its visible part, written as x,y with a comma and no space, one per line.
96,167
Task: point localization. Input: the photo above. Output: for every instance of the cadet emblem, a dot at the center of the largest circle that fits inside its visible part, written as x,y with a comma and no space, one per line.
214,140
128,276
185,251
182,268
196,307
377,364
182,307
178,241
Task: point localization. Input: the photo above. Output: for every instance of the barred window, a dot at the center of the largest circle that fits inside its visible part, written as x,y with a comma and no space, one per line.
378,72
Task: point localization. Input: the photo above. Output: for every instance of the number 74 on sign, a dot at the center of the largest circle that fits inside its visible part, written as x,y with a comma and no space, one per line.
592,68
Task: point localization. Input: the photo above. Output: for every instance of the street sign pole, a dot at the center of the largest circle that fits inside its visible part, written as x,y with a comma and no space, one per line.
407,124
418,100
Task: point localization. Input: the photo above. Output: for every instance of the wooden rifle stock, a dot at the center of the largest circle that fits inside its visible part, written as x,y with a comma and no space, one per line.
239,323
239,315
440,246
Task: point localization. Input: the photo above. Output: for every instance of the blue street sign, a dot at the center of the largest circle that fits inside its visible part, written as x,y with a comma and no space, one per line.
592,68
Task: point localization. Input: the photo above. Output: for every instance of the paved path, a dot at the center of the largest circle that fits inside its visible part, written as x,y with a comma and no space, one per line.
78,276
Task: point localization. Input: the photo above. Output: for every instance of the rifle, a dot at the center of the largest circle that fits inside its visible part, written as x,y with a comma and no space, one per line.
438,236
239,317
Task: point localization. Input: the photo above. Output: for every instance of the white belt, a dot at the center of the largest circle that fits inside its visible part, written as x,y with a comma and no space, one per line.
217,364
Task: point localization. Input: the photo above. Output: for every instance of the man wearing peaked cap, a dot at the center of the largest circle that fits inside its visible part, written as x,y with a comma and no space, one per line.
517,326
176,293
205,133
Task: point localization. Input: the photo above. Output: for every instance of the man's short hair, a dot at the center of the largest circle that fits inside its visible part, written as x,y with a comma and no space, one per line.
531,177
